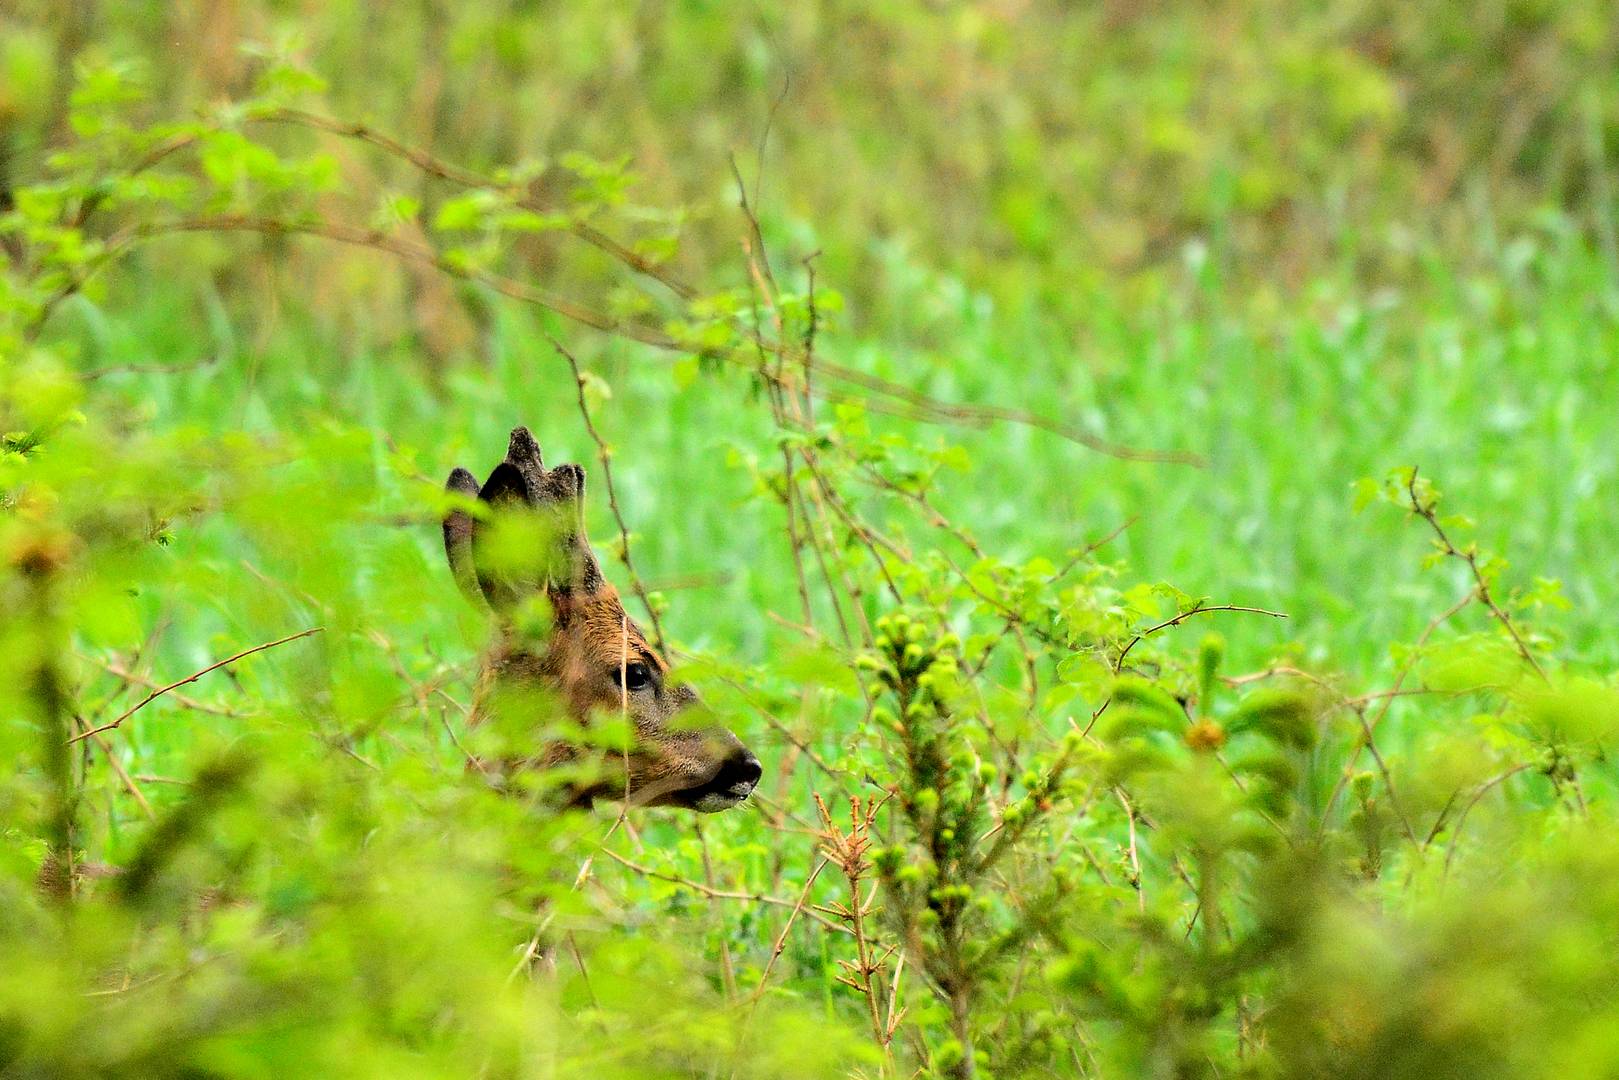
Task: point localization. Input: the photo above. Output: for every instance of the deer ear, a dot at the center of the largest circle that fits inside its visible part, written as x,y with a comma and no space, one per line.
458,528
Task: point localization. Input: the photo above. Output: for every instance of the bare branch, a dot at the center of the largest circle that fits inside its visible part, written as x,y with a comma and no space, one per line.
605,457
1481,584
193,677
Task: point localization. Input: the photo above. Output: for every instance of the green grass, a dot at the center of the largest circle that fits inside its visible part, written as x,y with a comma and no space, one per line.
1496,384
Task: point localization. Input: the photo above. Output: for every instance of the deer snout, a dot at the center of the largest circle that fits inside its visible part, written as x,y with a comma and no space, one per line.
732,781
739,774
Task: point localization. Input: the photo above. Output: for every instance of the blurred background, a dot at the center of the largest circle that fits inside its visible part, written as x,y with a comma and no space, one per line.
1306,242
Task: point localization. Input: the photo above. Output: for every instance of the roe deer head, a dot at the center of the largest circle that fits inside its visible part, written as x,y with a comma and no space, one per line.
592,659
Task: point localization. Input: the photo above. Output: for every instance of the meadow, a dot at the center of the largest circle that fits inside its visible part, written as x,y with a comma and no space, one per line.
1141,481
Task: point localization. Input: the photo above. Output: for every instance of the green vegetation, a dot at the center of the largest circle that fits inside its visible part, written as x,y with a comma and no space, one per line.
1029,426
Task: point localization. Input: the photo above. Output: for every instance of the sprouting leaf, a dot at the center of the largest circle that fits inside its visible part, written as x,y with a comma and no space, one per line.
403,207
597,389
463,213
1366,491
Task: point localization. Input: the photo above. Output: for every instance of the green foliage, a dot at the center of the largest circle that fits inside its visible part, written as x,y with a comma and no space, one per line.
251,832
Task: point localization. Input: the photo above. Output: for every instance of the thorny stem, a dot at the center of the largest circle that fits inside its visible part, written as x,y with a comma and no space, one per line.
1428,512
1118,664
848,851
881,394
779,394
1201,609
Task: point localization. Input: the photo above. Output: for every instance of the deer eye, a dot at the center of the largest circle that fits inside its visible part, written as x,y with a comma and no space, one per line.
635,676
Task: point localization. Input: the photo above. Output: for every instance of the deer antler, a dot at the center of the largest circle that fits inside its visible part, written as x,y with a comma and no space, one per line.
522,481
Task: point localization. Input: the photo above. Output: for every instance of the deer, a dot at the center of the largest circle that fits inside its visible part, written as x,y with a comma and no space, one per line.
588,659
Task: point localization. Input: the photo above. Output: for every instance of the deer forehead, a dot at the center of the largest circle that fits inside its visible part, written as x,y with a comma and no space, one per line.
600,631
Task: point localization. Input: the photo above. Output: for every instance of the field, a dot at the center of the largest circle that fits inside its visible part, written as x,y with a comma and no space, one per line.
1141,481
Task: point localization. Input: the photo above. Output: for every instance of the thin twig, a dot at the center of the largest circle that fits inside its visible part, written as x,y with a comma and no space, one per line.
781,939
1118,663
147,369
1461,820
912,403
123,774
120,671
605,456
712,893
193,677
1135,859
1201,609
1399,680
1428,513
848,850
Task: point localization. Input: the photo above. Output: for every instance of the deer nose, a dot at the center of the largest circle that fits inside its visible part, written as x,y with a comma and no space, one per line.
739,774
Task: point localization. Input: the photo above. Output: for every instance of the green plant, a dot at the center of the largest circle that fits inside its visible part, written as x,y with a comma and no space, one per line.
1086,835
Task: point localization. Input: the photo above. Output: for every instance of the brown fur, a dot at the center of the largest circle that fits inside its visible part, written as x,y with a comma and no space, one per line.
595,660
